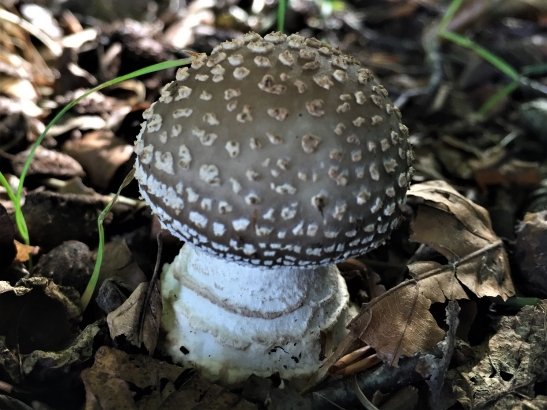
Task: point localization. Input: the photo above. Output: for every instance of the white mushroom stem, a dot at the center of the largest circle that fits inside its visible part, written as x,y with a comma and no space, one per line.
230,320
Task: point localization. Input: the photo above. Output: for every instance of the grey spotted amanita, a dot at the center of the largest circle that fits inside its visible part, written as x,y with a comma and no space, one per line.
273,158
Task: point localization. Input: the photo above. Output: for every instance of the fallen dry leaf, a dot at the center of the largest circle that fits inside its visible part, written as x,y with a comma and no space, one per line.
398,322
18,290
118,261
121,381
461,231
408,398
101,153
363,283
14,127
83,122
23,251
11,365
503,370
138,319
9,403
512,171
197,393
115,378
47,162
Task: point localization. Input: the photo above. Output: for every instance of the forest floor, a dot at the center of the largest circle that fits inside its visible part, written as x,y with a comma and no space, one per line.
471,247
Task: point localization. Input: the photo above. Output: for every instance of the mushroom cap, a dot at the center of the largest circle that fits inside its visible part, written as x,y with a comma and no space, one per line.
275,151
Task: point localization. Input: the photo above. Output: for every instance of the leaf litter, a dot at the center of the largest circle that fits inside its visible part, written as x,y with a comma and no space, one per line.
51,353
399,322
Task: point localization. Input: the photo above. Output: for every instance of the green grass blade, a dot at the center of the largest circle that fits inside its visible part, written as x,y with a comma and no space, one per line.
281,10
147,70
16,198
19,220
449,15
493,59
534,69
6,185
90,288
497,97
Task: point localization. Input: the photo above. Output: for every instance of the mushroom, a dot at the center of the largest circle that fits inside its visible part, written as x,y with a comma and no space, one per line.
273,158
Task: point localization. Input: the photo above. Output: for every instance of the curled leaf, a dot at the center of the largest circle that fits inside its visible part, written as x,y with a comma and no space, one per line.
398,323
138,319
461,231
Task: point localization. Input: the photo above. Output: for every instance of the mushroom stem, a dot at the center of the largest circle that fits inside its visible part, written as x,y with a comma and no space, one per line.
231,320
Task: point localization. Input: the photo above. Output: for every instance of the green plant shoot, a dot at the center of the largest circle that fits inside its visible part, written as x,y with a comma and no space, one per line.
16,197
281,10
90,288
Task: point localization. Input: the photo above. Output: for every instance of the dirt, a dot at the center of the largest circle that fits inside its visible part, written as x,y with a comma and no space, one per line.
453,305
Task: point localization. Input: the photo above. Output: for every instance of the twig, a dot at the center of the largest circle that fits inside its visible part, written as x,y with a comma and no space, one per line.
358,366
351,358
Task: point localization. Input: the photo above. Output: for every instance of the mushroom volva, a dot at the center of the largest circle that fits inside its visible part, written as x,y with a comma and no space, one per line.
273,158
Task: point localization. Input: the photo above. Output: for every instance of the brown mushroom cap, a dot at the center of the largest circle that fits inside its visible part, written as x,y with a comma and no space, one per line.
275,151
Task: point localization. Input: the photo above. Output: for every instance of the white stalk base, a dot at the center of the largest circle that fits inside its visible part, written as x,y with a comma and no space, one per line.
229,320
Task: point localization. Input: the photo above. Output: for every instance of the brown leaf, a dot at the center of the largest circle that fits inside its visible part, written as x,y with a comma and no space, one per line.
121,381
138,319
119,276
504,369
47,162
118,261
398,323
437,282
23,251
512,171
79,122
101,154
199,393
461,231
17,290
115,378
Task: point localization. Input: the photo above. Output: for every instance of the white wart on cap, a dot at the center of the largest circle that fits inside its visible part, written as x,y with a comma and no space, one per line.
275,151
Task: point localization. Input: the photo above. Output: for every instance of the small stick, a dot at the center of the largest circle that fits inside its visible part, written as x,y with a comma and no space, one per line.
351,358
359,366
